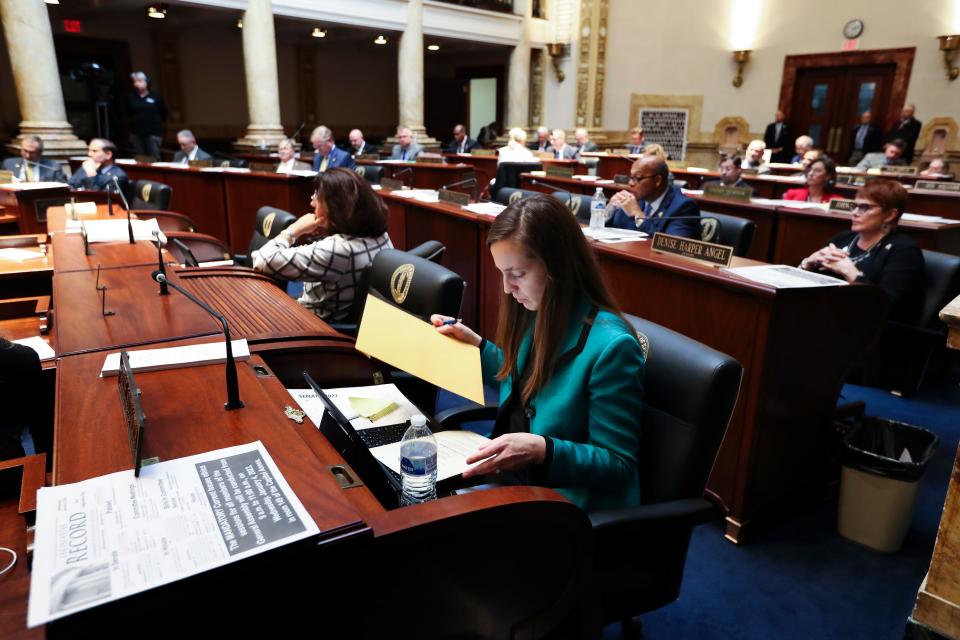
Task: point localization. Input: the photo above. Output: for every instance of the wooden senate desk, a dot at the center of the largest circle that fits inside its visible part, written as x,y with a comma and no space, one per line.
780,429
427,175
26,202
30,277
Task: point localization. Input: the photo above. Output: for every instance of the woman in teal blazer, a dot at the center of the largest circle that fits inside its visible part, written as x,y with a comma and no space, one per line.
569,367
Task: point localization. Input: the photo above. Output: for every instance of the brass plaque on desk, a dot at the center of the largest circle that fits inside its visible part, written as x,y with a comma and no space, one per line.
368,157
200,163
621,179
558,170
425,158
390,183
143,159
6,177
842,204
698,250
543,155
898,171
677,164
455,197
620,152
853,181
935,185
265,167
740,194
483,152
750,172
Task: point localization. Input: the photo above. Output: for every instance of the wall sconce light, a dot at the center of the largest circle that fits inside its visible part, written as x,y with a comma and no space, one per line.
741,57
158,11
319,33
556,51
949,46
239,23
380,40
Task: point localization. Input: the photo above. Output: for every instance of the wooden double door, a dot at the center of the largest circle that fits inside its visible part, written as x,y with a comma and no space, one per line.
828,102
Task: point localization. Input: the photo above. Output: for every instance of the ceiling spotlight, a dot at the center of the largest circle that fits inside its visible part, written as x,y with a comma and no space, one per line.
239,23
433,47
380,40
319,33
158,11
52,1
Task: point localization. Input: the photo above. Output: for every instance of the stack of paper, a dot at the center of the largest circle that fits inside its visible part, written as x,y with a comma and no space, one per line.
192,355
39,345
783,276
610,234
485,208
916,217
116,230
13,254
418,194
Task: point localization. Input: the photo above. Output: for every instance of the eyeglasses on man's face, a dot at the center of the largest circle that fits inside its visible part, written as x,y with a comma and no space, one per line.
636,178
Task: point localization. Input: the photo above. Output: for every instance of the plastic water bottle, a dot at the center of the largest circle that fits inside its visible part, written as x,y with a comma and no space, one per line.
418,462
598,210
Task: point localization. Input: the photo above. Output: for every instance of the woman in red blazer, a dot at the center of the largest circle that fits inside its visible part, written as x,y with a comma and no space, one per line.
821,176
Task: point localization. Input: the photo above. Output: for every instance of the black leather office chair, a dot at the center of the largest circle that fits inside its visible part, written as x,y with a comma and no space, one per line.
508,174
190,249
578,204
269,223
907,351
148,194
509,195
371,173
728,230
689,394
166,220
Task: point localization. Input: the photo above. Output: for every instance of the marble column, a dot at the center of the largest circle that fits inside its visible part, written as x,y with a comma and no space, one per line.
518,77
260,68
410,74
591,65
26,27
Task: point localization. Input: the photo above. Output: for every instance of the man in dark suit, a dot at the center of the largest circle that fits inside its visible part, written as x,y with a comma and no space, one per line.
359,146
326,155
97,172
778,136
636,145
866,139
906,129
31,166
561,150
584,143
650,204
542,142
189,149
731,173
461,142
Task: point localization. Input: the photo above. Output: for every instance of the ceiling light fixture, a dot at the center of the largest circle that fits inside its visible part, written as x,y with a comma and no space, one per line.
433,47
52,1
380,40
319,33
158,11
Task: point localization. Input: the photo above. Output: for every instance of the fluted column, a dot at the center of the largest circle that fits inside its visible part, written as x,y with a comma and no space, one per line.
26,27
518,78
591,65
260,69
410,73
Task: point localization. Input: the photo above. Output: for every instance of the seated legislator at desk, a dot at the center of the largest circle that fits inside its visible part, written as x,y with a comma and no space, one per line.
801,146
568,365
327,155
936,169
874,252
650,204
189,149
731,174
821,176
753,157
542,144
516,149
561,150
98,171
287,153
891,156
31,166
406,148
351,220
461,143
359,146
636,141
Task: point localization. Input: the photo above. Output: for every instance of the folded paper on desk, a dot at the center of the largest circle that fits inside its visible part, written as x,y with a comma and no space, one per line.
39,345
106,538
74,209
484,208
453,448
784,276
12,254
192,355
116,230
404,341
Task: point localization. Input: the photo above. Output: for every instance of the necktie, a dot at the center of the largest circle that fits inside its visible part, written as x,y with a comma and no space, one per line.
777,134
403,155
323,164
860,136
28,171
559,153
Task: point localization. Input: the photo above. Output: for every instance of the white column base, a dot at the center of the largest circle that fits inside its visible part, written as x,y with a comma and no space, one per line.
261,137
59,140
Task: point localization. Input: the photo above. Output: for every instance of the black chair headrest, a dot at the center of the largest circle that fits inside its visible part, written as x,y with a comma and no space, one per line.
509,195
415,284
269,223
942,285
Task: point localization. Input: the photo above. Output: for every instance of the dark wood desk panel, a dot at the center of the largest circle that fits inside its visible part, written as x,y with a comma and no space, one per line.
196,193
23,203
549,184
934,203
396,221
610,165
70,256
142,315
763,215
800,232
247,192
427,175
30,278
485,166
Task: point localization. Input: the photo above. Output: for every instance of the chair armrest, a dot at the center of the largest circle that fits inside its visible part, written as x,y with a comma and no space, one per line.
466,413
346,328
676,514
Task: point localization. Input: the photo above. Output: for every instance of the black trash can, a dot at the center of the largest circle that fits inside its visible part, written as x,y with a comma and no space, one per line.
883,462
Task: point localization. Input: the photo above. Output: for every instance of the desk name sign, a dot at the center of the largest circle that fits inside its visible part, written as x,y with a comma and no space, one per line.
368,157
454,197
621,179
144,159
424,158
899,171
934,185
740,194
6,177
620,152
391,183
265,167
853,181
749,172
483,152
842,204
199,164
558,170
713,254
677,165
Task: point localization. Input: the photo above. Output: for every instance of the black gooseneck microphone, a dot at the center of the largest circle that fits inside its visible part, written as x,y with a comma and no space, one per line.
233,387
472,181
162,268
126,205
403,171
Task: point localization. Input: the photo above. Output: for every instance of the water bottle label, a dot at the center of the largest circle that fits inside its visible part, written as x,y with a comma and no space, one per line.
418,466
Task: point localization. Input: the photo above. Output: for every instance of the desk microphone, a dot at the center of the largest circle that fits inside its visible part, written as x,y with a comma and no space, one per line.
402,171
472,181
233,388
189,260
126,204
162,269
555,189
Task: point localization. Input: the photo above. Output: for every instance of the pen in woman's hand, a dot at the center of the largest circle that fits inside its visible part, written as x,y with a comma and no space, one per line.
451,321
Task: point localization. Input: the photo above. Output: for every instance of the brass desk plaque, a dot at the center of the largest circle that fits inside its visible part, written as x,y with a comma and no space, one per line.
6,177
265,167
621,179
853,181
936,185
677,164
842,204
368,157
713,254
454,197
899,171
424,158
483,152
142,159
740,194
392,184
558,170
200,163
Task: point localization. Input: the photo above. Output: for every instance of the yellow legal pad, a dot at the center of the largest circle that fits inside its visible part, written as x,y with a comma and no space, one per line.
412,345
372,408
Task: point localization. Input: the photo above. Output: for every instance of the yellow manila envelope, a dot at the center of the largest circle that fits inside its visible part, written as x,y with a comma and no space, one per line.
404,341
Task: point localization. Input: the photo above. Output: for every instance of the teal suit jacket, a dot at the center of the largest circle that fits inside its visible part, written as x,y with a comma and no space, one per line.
591,408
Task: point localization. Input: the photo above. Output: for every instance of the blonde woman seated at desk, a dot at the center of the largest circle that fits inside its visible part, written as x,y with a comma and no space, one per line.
568,365
351,221
516,149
